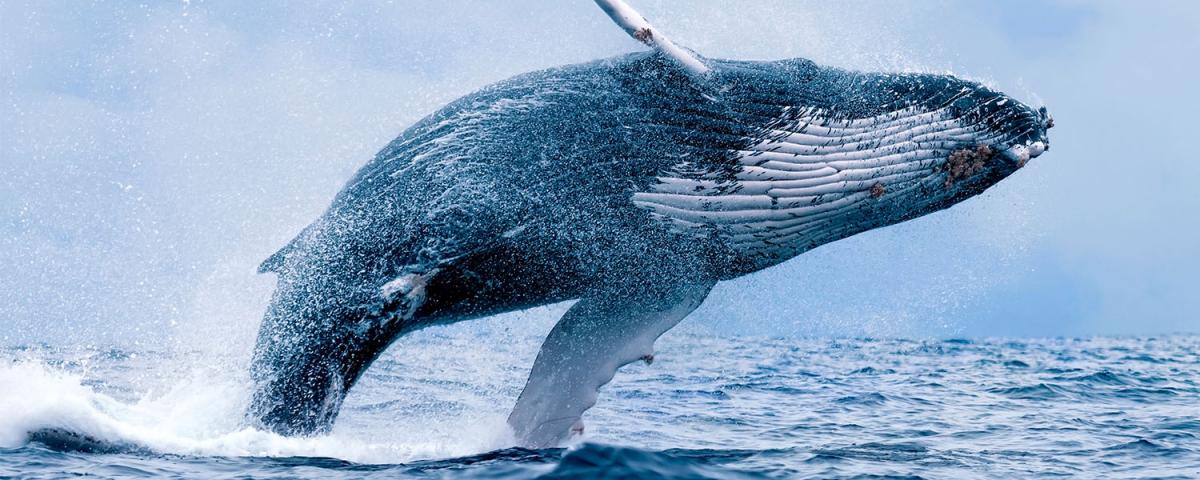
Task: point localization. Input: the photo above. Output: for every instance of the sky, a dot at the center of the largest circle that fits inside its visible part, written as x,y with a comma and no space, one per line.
152,154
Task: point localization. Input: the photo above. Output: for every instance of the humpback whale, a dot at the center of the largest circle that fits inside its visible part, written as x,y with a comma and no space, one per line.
631,184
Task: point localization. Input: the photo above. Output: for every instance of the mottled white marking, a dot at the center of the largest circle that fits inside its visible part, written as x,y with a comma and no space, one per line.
401,285
514,232
1017,153
1037,148
404,294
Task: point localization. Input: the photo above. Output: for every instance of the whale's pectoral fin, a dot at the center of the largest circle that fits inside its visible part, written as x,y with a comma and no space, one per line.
598,335
637,27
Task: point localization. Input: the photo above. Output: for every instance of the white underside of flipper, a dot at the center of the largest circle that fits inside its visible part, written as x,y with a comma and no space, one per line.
597,336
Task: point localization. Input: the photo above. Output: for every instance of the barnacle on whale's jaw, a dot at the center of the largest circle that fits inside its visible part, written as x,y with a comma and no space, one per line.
1019,139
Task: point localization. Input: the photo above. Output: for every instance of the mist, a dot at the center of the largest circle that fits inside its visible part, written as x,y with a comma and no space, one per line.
152,155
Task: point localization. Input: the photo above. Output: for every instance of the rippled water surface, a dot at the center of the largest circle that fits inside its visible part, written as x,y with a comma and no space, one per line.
723,407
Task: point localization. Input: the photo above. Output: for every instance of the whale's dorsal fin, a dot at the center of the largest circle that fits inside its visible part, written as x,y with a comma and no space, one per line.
637,27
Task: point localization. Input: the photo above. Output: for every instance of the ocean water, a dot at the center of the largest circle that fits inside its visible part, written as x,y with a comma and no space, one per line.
708,407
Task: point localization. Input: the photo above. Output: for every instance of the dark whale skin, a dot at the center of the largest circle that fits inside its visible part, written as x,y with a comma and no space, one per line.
520,195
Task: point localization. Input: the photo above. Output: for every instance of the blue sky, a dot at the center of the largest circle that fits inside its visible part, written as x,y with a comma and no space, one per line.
152,154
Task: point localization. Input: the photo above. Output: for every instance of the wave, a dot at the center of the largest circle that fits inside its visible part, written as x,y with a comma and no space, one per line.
197,417
850,409
1039,391
605,461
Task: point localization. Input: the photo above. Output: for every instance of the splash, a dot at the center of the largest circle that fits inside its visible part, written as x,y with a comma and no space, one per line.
198,416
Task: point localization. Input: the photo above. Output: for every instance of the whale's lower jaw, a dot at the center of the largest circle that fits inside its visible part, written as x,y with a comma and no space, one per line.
811,180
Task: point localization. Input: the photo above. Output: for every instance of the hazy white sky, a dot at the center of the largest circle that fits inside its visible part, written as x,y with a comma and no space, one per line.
152,155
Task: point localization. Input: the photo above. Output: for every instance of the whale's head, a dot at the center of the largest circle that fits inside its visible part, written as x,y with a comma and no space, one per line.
779,157
813,154
866,150
931,141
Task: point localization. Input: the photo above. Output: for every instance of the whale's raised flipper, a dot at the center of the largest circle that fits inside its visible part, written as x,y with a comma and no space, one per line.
637,27
598,335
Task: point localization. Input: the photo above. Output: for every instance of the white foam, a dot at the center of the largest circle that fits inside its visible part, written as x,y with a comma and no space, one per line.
201,416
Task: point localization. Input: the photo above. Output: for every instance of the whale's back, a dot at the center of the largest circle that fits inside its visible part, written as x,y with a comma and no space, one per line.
561,147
